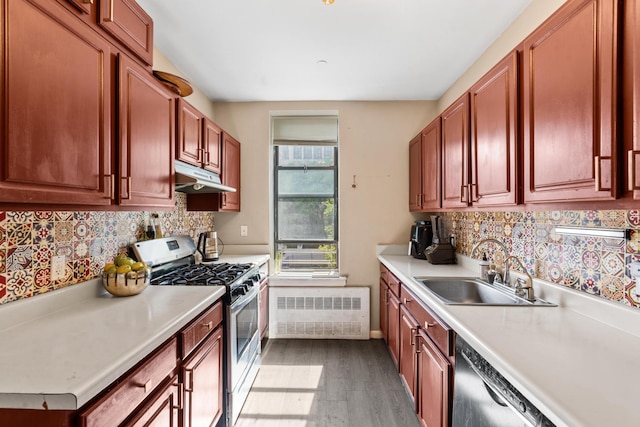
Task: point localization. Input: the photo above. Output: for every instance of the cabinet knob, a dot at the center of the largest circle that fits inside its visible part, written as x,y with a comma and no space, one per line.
208,325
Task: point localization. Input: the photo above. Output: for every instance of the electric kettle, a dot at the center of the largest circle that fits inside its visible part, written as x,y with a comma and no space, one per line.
208,246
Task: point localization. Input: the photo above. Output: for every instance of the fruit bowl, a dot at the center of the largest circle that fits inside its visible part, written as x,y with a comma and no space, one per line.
126,284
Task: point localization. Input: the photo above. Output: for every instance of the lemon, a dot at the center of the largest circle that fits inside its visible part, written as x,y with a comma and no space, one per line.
137,266
123,260
111,270
122,269
109,266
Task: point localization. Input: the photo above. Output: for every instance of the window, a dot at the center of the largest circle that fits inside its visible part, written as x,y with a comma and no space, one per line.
305,194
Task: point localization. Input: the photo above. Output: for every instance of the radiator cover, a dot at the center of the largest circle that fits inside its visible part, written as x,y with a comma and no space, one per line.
319,312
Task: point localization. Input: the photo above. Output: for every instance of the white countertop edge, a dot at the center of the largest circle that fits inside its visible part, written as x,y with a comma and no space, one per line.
572,303
34,309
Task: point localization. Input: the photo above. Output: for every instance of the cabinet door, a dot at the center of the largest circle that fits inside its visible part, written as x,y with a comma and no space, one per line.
393,341
56,124
202,378
431,166
211,145
569,90
147,132
494,136
455,154
415,174
162,410
230,173
631,58
264,308
189,148
434,384
408,361
128,23
384,307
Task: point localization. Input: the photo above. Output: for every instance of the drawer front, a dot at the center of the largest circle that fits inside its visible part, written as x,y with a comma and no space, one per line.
439,332
194,333
394,284
132,389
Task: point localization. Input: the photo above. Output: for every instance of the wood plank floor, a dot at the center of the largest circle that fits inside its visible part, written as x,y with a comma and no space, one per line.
327,383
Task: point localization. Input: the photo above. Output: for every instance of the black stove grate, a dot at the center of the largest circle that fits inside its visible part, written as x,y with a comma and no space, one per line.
221,274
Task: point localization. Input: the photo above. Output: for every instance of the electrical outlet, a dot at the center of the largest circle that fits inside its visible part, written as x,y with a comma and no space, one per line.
58,267
634,272
244,230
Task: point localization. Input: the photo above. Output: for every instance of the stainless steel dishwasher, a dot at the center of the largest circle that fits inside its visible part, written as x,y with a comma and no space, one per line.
482,397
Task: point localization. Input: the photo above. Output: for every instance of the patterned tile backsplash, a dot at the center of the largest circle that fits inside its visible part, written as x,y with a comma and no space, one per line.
595,265
28,240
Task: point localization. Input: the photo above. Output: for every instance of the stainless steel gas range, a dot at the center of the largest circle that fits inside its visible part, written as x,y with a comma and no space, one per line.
172,263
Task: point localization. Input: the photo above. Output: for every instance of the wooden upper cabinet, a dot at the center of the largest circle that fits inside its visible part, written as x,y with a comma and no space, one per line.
631,83
455,154
56,77
569,104
147,138
128,23
230,202
431,165
415,173
424,169
190,127
494,136
211,145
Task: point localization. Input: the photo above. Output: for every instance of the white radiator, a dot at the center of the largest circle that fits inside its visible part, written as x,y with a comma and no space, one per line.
309,312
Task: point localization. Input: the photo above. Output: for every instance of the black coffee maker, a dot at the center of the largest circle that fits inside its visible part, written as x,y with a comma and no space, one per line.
421,238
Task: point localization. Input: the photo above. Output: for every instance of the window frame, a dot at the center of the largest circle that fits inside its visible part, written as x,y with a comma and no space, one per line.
277,197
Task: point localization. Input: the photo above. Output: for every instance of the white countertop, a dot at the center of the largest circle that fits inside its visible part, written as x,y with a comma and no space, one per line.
65,346
579,363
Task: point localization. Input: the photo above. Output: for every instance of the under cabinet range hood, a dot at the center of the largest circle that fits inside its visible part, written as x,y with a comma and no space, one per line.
192,179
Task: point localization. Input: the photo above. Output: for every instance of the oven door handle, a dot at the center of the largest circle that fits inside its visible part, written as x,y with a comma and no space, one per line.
244,300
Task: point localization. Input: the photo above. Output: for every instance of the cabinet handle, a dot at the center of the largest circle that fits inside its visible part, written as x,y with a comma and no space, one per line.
128,197
188,379
406,300
208,325
224,199
413,336
464,193
597,172
428,325
88,1
473,192
148,386
417,347
631,172
180,405
417,200
112,184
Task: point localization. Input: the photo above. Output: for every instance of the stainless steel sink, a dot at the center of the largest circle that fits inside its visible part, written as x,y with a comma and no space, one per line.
469,291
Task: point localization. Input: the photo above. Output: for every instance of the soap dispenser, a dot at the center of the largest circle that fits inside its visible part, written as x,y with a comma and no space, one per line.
484,266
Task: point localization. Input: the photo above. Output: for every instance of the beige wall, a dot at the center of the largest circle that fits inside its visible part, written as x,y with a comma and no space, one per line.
373,146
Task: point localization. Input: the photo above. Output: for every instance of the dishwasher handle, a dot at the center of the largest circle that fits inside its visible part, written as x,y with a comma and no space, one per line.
526,412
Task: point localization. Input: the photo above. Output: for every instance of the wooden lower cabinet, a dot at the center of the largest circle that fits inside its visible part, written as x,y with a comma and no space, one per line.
408,360
393,316
203,387
434,380
384,308
264,308
163,410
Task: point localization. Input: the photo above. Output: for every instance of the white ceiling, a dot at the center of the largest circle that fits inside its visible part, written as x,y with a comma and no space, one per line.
269,50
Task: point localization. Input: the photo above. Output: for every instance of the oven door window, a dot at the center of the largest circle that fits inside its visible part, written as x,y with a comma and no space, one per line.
246,326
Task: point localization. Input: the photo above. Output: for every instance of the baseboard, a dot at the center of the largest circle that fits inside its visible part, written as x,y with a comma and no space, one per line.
376,335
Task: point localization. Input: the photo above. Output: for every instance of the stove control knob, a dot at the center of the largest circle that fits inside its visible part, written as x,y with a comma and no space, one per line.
248,284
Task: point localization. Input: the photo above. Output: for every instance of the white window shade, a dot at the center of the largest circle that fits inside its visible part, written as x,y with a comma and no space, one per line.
305,130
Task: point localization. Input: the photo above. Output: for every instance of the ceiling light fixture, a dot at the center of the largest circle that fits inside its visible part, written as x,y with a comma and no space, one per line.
327,2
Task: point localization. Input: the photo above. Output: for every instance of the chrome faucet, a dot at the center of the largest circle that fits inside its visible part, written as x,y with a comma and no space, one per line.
489,240
522,286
